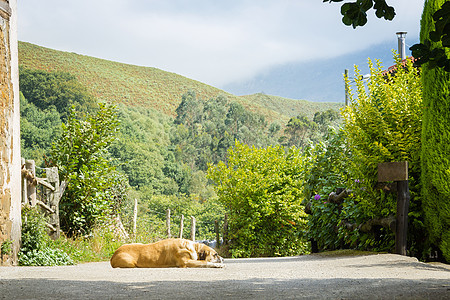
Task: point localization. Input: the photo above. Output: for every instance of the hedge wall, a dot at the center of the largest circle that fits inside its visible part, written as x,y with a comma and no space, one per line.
435,156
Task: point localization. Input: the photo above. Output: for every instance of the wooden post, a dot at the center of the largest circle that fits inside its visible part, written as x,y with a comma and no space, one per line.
192,228
168,223
31,187
135,211
24,186
225,230
398,172
53,202
181,226
401,229
216,228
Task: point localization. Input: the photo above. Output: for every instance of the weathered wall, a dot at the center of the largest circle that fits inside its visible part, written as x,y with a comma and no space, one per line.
10,177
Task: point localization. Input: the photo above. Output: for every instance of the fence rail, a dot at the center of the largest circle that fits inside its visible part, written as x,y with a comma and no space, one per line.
44,192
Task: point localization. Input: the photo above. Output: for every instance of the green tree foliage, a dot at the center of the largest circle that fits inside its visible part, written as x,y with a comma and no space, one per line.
435,44
206,129
261,189
436,141
38,129
325,171
58,89
384,124
355,12
141,149
82,159
326,118
298,132
201,135
301,131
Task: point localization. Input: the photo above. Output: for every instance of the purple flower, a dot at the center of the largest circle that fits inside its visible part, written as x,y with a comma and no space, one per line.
317,197
357,180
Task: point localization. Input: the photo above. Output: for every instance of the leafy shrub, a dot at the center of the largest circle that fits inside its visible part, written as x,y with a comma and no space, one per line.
83,162
325,170
383,124
261,188
37,248
45,256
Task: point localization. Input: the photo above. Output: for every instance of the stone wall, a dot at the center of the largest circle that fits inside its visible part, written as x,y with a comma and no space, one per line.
10,177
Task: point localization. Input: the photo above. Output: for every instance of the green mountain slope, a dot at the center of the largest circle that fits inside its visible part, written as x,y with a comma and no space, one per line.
151,87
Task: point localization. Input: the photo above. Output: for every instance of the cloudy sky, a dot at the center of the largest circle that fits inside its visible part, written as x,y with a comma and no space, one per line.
213,41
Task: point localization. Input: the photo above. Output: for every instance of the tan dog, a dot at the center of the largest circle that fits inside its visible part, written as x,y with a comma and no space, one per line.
165,254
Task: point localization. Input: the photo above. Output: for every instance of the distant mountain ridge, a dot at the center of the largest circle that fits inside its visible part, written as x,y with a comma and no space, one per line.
151,87
319,80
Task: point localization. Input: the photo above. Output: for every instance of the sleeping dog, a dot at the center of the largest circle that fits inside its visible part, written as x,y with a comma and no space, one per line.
165,254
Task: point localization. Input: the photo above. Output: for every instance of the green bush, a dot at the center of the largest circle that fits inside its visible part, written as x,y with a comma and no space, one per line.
83,162
383,124
436,142
261,191
45,256
37,248
325,171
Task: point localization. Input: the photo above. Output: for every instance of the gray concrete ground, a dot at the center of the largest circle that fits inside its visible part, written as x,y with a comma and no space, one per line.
384,276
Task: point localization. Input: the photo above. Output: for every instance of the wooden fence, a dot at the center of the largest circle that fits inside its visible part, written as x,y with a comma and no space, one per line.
193,224
44,192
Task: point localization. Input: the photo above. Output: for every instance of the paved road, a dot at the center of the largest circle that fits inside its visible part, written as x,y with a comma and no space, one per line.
384,276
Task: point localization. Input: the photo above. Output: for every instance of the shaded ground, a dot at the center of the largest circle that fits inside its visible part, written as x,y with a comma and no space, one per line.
384,276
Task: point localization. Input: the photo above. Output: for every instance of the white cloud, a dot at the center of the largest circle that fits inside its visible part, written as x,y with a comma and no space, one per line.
212,41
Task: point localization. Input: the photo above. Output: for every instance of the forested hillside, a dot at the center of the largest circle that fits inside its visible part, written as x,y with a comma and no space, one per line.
119,132
150,87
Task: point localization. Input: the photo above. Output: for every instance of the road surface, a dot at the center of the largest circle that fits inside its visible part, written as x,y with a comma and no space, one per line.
383,276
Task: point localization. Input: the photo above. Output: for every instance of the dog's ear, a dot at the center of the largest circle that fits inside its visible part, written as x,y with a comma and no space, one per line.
201,255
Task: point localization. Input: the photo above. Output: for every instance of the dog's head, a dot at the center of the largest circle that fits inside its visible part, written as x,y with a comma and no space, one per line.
209,254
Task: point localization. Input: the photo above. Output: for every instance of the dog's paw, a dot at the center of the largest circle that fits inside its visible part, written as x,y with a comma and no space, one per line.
215,265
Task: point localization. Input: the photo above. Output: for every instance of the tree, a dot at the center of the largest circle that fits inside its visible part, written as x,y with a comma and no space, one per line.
261,190
81,156
435,45
59,89
355,13
436,141
297,130
38,129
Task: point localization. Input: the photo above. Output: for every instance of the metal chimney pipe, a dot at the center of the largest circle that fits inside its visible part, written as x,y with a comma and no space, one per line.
401,35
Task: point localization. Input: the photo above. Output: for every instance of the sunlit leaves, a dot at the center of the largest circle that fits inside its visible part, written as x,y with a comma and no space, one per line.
261,189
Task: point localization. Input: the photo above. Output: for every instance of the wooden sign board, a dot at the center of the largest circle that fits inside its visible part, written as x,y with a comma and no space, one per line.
393,171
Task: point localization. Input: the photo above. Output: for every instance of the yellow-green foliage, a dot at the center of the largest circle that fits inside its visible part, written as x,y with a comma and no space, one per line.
383,124
261,189
436,143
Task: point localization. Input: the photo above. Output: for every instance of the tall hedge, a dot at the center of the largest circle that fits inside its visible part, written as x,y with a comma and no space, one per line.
435,156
